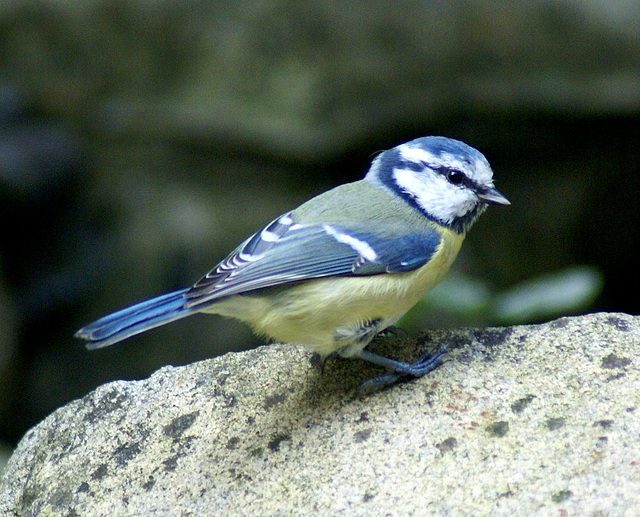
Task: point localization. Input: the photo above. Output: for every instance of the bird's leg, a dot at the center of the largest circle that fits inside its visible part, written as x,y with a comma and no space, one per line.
360,337
421,367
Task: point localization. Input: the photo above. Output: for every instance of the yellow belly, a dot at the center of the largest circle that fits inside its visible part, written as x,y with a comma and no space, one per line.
310,313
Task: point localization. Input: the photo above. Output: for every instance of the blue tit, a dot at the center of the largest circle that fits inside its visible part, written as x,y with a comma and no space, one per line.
345,265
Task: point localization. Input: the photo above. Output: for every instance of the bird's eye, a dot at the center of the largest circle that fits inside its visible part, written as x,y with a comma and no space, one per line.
455,177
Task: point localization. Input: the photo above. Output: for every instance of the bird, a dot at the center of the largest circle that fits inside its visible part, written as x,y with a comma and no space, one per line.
344,266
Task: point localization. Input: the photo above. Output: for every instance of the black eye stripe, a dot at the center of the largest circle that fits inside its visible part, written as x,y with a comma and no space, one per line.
412,166
391,161
460,177
454,176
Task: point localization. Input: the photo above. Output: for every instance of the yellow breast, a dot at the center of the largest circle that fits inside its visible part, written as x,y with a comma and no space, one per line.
309,313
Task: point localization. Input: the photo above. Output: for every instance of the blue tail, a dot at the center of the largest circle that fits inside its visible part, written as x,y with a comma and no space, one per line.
134,320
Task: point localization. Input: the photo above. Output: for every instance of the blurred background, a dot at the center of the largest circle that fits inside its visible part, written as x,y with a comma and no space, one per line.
141,141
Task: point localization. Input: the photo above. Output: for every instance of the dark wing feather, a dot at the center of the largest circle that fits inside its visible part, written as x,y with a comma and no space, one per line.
286,252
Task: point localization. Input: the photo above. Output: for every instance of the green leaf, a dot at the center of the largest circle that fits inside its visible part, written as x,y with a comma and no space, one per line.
564,292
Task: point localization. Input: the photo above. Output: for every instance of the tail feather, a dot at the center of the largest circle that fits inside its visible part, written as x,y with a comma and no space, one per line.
134,320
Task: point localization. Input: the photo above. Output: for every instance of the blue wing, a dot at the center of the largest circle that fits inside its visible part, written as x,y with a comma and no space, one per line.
285,251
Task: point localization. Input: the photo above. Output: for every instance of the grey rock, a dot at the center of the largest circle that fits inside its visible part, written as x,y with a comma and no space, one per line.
525,420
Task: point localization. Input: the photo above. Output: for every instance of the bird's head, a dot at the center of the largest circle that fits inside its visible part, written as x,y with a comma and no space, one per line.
448,181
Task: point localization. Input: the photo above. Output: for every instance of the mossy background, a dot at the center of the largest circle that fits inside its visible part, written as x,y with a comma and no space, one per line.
141,141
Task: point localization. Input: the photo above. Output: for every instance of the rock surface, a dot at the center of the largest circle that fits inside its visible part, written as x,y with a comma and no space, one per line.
524,420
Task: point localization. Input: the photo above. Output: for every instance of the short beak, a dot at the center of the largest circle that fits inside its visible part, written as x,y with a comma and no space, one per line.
493,197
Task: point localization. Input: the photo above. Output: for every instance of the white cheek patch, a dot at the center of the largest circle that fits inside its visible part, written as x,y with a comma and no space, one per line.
361,247
434,194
